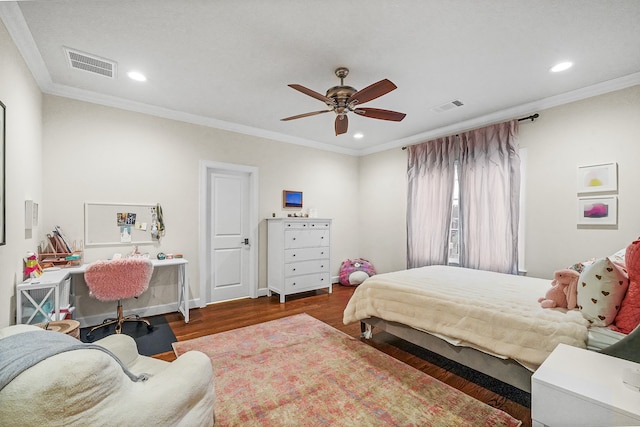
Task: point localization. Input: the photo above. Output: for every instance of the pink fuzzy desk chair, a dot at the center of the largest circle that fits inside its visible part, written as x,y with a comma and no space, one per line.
116,280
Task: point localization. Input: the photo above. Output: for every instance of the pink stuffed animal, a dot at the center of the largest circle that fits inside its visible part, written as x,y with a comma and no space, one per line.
563,292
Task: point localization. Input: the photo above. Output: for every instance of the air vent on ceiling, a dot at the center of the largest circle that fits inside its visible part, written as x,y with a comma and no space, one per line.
91,63
448,106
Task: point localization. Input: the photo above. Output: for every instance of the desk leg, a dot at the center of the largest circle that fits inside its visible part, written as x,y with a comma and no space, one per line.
183,294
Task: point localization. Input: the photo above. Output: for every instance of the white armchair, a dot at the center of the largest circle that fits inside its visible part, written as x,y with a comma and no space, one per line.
89,387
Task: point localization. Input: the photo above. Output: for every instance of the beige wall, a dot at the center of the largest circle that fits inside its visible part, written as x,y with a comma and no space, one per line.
102,154
592,131
596,130
383,198
23,174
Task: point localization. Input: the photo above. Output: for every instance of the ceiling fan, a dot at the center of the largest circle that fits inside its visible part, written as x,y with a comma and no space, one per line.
343,99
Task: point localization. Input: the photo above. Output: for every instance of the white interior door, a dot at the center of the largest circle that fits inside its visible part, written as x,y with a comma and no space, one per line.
229,270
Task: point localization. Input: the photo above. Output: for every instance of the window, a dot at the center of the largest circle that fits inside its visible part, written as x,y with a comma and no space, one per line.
454,227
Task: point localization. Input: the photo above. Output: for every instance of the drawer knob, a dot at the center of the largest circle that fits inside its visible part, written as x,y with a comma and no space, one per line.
294,238
322,266
294,269
294,255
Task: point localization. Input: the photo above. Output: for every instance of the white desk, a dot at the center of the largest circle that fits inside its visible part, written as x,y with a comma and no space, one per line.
54,280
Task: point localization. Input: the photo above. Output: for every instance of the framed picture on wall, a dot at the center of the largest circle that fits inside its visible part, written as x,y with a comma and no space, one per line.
598,178
3,239
598,210
291,199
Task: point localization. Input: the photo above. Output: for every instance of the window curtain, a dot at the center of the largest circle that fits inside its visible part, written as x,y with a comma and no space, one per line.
430,173
489,179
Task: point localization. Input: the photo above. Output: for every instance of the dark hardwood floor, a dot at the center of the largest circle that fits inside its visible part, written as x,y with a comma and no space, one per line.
328,308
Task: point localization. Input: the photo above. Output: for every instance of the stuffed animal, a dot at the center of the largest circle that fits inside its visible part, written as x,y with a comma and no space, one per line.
564,290
355,271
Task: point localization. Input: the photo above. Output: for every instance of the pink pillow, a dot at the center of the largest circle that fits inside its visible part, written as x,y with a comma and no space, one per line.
628,316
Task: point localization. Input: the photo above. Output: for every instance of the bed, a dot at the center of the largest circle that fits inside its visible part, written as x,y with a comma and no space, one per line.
488,321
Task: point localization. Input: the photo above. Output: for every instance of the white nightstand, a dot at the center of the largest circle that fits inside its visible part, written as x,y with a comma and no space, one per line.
576,387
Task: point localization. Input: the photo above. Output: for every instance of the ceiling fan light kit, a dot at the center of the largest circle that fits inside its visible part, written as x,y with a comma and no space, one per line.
343,99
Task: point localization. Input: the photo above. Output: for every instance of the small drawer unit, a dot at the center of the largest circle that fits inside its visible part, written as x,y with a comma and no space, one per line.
298,257
575,387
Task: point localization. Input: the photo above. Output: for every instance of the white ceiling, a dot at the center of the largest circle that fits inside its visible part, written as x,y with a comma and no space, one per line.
227,63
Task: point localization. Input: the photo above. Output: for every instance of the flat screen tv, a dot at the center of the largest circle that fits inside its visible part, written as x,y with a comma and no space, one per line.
291,199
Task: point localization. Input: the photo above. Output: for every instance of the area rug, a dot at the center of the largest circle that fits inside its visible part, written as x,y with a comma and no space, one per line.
149,342
299,371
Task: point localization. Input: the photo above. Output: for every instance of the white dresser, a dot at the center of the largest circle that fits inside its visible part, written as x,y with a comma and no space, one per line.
576,387
298,255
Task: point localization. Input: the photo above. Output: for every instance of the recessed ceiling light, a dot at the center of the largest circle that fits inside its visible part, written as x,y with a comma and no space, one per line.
358,135
134,75
561,66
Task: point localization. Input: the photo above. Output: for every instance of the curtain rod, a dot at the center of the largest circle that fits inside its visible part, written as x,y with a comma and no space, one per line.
531,117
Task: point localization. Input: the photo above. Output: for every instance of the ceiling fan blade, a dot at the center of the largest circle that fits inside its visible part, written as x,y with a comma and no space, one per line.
376,113
342,123
313,94
372,92
299,116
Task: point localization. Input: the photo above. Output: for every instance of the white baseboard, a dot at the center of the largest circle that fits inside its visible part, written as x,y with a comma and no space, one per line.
142,312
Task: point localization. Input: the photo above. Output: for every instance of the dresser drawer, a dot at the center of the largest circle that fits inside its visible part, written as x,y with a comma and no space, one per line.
306,267
300,283
306,225
305,254
297,238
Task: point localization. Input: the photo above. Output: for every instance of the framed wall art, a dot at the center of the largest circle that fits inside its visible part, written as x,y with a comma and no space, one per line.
291,199
598,178
3,239
598,210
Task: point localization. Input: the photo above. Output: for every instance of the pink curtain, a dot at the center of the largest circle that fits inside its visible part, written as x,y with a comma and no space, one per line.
489,179
430,173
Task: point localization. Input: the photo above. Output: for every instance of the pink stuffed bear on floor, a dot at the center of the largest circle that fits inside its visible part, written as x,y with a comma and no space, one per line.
563,292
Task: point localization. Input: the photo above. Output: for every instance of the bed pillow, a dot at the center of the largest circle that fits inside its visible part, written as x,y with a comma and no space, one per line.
580,266
619,257
601,288
629,315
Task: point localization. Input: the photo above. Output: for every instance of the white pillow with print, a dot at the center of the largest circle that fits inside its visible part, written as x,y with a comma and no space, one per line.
601,288
618,257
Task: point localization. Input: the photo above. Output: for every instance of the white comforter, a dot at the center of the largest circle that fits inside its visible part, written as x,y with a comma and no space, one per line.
493,312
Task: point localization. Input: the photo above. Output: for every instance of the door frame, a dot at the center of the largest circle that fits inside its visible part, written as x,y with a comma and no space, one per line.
207,167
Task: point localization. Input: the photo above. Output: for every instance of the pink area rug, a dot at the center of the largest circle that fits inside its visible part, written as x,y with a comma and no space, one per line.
299,371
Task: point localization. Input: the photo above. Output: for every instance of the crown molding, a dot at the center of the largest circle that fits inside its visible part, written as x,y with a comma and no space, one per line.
510,113
18,29
139,107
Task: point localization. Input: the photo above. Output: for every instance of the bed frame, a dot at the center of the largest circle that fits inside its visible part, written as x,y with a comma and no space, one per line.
506,370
